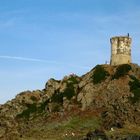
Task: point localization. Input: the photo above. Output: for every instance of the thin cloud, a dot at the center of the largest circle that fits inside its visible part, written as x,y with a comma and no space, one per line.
25,59
6,23
40,60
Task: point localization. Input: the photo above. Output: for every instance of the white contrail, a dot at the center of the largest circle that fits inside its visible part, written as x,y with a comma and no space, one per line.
40,60
25,59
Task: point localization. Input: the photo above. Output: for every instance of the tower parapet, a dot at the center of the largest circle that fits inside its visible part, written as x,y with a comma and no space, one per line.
120,50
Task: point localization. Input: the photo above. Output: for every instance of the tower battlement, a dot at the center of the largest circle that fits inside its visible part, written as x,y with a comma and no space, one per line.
120,50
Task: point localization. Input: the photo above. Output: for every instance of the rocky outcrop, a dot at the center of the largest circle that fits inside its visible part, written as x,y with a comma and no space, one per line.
96,135
113,91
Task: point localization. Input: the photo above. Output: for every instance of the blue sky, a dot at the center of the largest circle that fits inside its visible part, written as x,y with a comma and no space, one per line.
40,39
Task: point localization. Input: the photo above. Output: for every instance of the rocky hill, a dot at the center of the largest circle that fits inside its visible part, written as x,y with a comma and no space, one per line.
107,99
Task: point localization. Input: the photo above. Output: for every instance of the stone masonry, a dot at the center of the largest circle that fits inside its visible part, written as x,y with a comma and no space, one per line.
120,50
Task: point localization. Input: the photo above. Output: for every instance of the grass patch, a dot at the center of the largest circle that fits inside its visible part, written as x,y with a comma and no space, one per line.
77,124
80,123
121,71
127,130
99,74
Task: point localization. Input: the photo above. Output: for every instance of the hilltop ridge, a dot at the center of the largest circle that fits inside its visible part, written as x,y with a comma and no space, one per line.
106,97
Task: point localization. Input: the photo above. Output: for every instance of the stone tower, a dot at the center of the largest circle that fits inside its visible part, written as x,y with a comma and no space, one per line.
120,50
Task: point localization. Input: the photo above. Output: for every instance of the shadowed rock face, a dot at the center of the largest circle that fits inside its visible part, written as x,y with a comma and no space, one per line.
96,135
113,91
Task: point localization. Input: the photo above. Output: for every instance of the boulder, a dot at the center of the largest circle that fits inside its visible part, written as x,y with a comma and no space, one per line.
96,135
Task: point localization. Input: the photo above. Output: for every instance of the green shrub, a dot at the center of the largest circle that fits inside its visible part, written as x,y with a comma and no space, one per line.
68,93
135,89
33,98
26,113
73,80
57,98
56,107
32,108
121,71
42,106
136,97
134,84
99,74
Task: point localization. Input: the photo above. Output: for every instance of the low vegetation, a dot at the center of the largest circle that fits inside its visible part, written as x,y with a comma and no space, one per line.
121,71
73,80
99,74
135,89
69,92
72,128
42,106
33,98
32,109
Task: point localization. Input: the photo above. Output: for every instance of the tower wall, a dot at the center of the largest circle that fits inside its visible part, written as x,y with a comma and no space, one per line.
120,50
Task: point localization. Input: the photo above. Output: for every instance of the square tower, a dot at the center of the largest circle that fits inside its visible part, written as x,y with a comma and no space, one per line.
120,50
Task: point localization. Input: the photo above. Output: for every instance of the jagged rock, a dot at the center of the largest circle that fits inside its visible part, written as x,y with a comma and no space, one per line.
52,86
113,95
